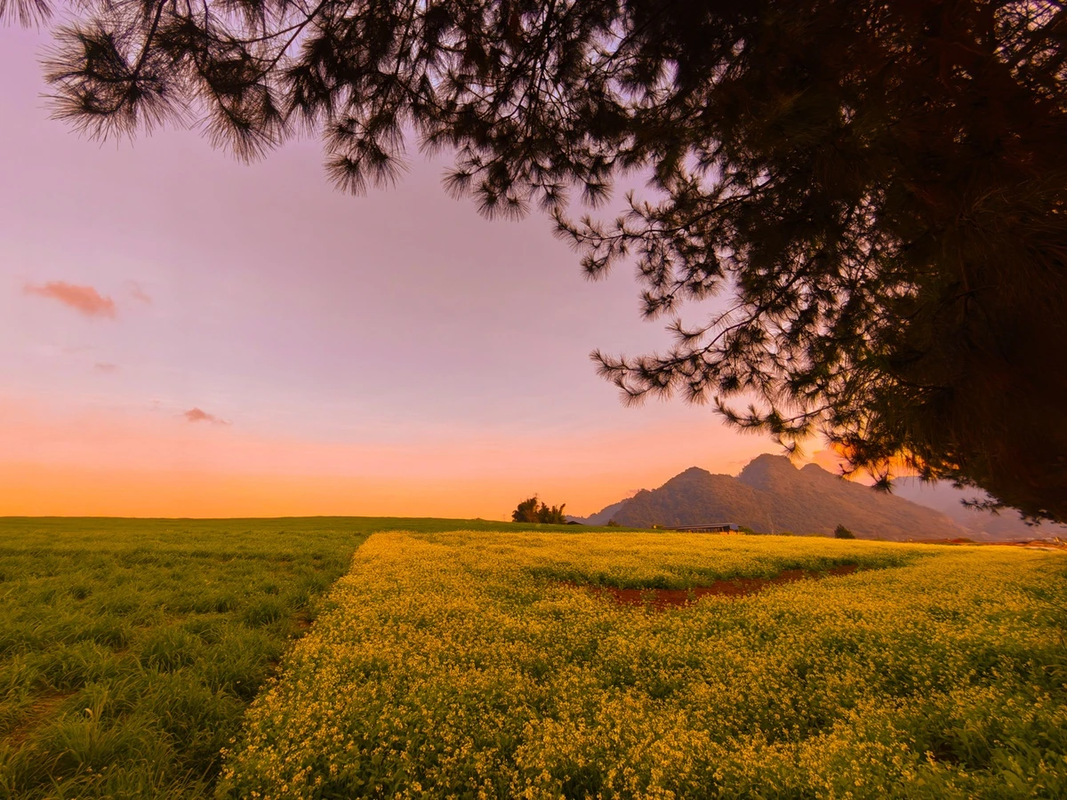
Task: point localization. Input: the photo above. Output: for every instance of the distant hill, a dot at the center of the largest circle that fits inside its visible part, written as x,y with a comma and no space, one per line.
603,516
772,496
947,499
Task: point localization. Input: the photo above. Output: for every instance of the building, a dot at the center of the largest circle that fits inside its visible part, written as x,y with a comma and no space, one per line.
720,527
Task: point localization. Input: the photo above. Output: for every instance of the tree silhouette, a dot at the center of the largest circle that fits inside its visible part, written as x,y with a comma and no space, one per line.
529,511
841,532
881,186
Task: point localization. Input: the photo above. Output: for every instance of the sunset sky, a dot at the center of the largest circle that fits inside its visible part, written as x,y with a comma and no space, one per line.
184,335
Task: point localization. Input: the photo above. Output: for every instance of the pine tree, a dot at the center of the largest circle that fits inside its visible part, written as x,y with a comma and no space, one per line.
881,186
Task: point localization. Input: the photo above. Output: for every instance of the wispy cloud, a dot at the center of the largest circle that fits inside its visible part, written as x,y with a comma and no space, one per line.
103,366
81,298
199,415
137,293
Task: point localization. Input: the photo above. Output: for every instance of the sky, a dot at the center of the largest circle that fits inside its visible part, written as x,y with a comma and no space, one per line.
185,335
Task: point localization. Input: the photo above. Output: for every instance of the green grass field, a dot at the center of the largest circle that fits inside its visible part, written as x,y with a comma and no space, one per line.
484,665
130,649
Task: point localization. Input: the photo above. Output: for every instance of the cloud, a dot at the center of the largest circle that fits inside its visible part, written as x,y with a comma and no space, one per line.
199,415
81,298
137,293
102,366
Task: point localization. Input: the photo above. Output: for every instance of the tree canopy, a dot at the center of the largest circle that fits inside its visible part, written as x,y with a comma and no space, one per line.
529,511
879,187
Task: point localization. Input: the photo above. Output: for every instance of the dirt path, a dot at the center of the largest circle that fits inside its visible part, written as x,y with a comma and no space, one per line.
661,599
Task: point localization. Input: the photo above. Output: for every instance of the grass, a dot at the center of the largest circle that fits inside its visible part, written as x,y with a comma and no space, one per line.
472,665
130,649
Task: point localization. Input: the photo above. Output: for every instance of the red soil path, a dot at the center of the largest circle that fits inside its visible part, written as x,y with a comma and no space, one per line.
660,599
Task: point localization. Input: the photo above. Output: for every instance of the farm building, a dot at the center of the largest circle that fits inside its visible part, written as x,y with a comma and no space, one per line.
720,527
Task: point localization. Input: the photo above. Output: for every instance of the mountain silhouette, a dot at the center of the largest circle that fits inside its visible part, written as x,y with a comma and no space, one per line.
946,498
772,496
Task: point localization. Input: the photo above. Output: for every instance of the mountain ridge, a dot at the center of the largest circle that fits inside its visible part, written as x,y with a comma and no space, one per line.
771,495
946,498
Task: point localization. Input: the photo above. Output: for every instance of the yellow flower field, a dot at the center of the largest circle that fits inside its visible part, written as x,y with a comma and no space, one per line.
472,665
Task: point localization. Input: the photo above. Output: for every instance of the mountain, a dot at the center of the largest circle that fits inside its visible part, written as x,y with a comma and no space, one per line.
603,516
772,496
947,499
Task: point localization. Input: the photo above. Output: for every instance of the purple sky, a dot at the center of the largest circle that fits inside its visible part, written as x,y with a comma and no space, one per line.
175,319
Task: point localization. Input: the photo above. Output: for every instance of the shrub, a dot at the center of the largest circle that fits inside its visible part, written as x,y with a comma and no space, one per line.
841,532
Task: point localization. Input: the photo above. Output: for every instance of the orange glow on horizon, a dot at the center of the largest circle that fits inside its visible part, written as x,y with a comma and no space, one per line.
834,458
160,464
34,490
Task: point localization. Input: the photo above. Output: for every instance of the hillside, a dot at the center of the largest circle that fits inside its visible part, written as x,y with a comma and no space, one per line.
947,499
772,496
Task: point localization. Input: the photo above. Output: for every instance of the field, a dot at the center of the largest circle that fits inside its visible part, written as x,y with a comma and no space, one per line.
130,649
489,665
177,658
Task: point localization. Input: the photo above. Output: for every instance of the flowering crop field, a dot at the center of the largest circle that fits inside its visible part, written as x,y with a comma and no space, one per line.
480,665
